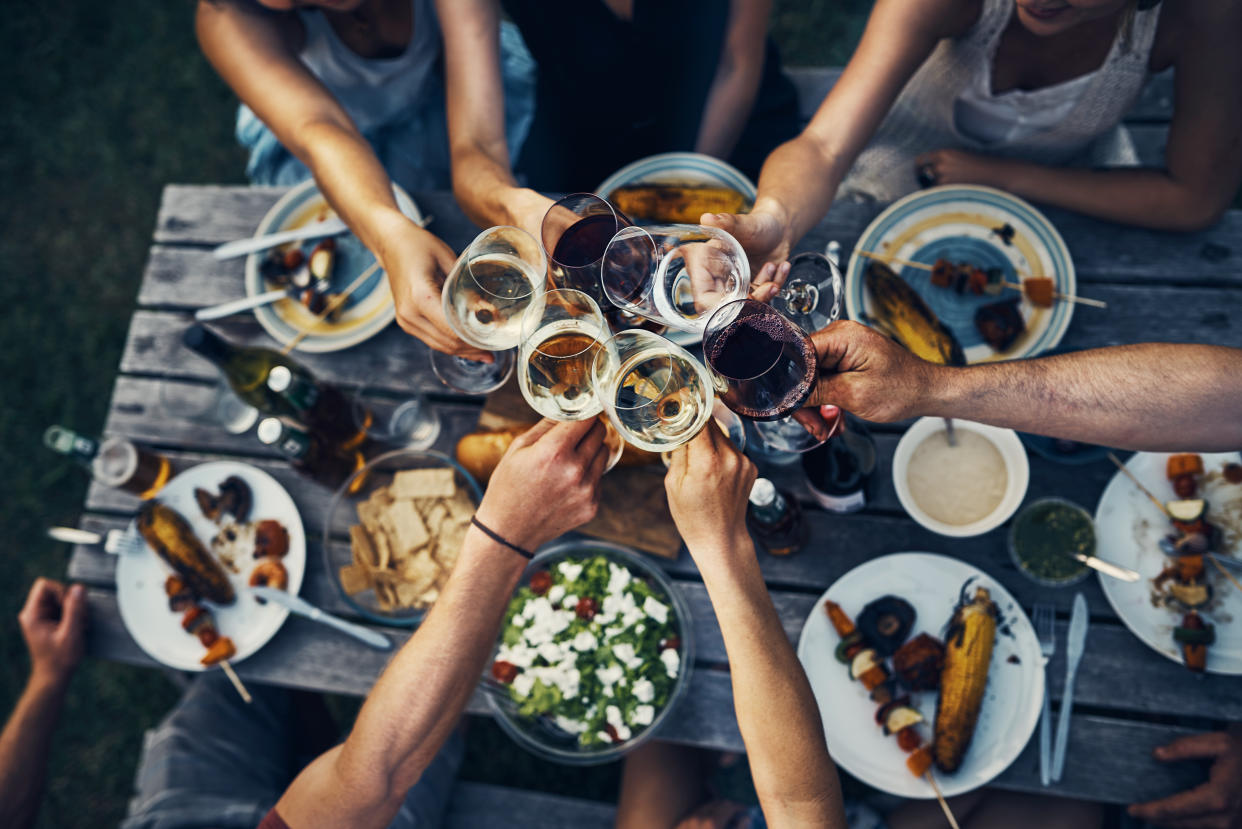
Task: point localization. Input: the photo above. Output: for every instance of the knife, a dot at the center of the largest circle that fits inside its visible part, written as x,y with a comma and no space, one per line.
304,608
1106,567
1076,639
236,306
240,247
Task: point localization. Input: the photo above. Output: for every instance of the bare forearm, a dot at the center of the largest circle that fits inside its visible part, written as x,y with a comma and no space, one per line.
1151,396
797,184
728,106
776,711
24,747
489,195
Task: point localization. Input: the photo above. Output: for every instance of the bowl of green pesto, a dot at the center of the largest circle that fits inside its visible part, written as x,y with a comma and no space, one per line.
1044,531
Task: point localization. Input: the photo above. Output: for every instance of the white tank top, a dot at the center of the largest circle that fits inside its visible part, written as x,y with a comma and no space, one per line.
373,91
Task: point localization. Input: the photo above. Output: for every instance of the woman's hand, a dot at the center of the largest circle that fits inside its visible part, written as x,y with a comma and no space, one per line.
417,263
708,484
959,167
762,233
547,483
53,623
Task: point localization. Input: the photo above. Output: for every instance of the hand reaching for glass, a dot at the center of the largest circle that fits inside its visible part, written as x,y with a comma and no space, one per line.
708,483
53,623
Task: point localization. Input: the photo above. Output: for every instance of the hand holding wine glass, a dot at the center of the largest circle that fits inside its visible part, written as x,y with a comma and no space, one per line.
708,483
867,374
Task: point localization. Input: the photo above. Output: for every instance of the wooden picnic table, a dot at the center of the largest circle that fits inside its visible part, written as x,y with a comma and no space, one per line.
1158,286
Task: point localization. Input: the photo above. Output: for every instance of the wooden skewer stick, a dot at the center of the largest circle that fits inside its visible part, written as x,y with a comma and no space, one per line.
1212,558
236,680
335,303
1159,504
923,266
944,804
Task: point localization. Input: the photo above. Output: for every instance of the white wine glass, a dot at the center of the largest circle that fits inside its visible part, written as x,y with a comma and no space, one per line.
812,293
654,392
676,275
498,277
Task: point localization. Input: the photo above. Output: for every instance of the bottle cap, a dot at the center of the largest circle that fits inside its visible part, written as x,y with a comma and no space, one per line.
270,430
763,492
194,336
279,378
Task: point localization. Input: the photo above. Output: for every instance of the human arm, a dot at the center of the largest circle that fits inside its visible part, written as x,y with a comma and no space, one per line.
708,484
733,90
1149,396
800,178
546,484
1217,803
53,623
1203,160
253,50
483,179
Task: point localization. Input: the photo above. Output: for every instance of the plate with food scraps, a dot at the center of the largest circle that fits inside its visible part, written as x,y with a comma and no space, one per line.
1130,529
678,188
229,534
932,586
366,312
977,239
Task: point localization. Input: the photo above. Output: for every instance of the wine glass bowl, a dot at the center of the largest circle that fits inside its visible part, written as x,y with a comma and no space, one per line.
762,365
559,345
575,232
812,293
497,278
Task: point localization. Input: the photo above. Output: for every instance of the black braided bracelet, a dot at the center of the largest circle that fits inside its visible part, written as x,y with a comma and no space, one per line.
495,536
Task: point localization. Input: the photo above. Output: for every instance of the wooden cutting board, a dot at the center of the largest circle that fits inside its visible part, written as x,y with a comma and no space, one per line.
633,507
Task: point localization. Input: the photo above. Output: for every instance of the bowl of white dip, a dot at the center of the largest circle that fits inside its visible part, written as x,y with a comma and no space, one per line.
961,490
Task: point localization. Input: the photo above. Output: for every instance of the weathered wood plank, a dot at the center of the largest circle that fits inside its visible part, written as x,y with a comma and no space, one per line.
1155,102
189,277
480,804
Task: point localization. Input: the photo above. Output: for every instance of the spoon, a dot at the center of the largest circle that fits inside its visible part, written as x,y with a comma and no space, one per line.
1106,567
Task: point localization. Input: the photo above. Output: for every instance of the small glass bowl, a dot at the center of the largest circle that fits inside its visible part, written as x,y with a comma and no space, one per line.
548,741
1022,565
343,513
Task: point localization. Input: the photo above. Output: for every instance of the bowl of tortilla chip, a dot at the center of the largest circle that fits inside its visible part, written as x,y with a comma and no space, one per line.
393,531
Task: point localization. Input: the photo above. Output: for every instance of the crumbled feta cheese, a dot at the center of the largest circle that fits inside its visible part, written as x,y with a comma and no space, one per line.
640,629
551,651
585,641
571,602
569,570
556,593
644,714
608,676
612,714
568,724
522,684
671,661
518,655
624,652
604,736
656,610
644,691
618,578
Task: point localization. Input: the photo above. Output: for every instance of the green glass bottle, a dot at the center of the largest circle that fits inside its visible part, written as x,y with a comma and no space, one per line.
246,368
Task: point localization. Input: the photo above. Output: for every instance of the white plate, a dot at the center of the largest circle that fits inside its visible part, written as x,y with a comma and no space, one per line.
368,310
957,223
1128,527
140,576
931,584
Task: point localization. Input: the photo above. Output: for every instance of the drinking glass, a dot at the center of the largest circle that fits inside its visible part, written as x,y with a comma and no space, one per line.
784,437
732,425
406,421
654,392
212,405
811,295
676,275
763,366
495,280
575,232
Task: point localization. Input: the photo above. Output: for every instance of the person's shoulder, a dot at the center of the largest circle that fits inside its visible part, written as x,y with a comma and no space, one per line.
942,18
242,17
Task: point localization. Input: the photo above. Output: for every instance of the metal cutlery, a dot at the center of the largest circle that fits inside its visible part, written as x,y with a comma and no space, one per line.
1076,640
315,230
1046,629
117,542
1106,567
301,607
236,306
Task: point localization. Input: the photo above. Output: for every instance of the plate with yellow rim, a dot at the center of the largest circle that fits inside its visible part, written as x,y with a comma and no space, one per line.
980,226
367,311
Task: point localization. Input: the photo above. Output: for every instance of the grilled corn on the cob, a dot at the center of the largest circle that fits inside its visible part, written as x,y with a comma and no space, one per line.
173,540
671,203
900,309
968,654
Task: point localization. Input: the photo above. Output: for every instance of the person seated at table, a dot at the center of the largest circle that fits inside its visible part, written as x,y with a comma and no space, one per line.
1022,95
352,92
216,762
708,483
53,624
617,80
1161,397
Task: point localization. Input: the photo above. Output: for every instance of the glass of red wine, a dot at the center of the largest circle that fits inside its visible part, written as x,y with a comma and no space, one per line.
762,364
576,231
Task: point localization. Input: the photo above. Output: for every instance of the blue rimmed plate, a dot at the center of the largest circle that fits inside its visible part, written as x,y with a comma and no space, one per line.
367,311
962,223
679,168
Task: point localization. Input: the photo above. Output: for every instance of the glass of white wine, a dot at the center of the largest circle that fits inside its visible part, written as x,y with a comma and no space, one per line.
654,392
499,276
676,275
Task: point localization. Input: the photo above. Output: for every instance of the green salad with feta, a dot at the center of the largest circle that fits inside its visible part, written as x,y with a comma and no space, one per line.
592,647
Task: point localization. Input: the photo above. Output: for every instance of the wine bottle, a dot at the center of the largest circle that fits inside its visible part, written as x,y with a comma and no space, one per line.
839,471
246,368
115,462
322,407
775,519
310,454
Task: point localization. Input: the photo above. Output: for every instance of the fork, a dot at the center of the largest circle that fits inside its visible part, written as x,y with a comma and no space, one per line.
117,542
1045,627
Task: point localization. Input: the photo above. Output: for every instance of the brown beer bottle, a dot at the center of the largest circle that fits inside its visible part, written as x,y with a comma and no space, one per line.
312,455
775,519
323,407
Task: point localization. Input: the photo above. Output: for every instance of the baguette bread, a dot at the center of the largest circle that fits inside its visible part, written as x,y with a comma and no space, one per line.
480,452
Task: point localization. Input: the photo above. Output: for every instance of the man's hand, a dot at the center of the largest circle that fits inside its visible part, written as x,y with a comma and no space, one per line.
417,263
762,233
708,484
53,624
1217,804
867,374
547,483
959,167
